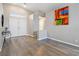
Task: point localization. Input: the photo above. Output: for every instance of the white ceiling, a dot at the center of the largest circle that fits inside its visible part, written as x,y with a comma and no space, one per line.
43,7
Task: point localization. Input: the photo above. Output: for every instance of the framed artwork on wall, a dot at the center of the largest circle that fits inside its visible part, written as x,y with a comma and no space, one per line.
61,16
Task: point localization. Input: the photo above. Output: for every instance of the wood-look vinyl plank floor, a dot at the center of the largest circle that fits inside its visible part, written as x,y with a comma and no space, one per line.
29,46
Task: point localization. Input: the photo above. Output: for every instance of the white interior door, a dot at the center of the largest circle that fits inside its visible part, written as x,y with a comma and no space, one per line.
17,26
17,20
13,24
42,30
41,23
22,27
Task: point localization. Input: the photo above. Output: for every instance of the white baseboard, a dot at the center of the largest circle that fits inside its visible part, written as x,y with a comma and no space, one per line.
24,35
63,42
29,35
42,38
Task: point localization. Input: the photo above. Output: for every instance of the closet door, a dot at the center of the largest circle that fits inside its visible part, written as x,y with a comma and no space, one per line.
13,25
42,30
17,26
17,20
22,26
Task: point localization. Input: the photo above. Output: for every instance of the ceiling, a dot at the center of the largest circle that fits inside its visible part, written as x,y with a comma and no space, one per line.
43,7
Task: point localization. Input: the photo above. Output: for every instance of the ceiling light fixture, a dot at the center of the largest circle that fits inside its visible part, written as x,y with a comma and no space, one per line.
24,4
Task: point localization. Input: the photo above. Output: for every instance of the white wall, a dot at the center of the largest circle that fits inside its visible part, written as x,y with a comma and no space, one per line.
30,25
40,34
36,22
1,29
67,33
8,9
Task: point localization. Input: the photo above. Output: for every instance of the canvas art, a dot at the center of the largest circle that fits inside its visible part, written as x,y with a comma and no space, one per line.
61,16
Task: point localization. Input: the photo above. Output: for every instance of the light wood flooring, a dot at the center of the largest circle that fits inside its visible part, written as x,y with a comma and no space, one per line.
29,46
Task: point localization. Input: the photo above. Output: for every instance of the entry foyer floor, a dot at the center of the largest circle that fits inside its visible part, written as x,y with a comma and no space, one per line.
29,46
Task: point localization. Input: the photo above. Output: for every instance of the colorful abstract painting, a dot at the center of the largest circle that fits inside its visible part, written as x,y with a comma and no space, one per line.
61,16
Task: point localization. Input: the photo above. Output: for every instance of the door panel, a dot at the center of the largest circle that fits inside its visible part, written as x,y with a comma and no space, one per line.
17,26
22,27
13,24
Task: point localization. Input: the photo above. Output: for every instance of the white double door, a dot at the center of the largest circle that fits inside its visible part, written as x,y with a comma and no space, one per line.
18,26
